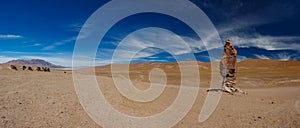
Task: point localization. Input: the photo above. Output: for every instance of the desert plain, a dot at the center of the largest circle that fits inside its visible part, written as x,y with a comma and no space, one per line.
48,99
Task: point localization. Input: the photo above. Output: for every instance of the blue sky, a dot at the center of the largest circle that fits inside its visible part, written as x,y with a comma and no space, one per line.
35,29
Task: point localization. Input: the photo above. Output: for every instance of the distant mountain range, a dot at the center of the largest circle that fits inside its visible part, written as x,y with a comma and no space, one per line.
33,62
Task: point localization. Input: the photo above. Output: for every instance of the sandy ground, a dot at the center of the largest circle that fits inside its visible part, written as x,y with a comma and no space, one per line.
43,99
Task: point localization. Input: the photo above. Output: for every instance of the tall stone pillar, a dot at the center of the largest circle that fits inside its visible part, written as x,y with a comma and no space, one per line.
228,68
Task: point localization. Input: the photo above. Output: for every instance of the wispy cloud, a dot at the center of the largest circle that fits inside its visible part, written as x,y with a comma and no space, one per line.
267,42
284,56
74,27
50,47
240,29
150,41
84,29
10,36
26,53
261,56
240,58
59,43
37,44
242,32
279,56
64,61
241,26
4,59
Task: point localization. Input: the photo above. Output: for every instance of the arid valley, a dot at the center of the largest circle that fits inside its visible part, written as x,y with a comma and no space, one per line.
48,99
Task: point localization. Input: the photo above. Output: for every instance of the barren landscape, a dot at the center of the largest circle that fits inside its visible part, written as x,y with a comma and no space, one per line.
48,99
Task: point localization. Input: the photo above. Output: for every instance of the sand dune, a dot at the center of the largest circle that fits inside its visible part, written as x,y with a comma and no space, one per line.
48,99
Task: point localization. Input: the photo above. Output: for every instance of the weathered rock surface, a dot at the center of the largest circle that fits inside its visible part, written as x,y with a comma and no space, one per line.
228,68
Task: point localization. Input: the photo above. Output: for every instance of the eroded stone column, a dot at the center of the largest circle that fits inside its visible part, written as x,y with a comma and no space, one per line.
228,67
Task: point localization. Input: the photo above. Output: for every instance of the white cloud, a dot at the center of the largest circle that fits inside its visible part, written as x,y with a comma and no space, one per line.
59,43
261,56
278,56
241,58
267,42
74,27
240,29
10,36
83,29
4,59
284,56
154,40
25,53
49,47
147,42
64,61
242,34
36,44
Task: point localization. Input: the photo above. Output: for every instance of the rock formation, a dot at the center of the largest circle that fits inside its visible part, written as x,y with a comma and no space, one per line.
24,68
45,69
29,68
13,67
228,68
38,69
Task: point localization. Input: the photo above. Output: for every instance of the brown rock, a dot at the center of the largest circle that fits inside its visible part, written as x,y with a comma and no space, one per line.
24,68
29,68
228,68
13,67
38,69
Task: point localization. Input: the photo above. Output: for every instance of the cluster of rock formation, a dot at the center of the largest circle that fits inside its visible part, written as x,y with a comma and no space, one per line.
228,69
45,69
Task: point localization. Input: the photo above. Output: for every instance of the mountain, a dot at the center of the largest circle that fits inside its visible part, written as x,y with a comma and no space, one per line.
33,62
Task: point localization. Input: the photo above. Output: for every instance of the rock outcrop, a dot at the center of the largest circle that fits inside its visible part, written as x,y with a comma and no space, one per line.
29,68
13,67
23,67
38,69
228,68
